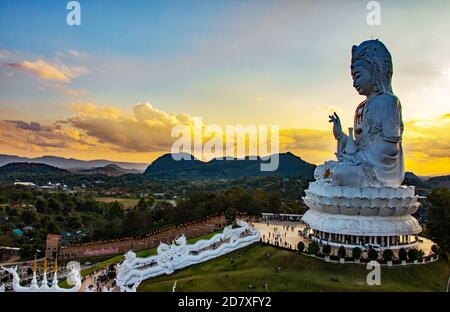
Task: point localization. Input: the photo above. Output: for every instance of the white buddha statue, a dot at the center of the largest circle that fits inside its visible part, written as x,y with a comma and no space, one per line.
375,156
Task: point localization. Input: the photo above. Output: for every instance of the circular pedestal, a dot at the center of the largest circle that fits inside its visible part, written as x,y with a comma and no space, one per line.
362,225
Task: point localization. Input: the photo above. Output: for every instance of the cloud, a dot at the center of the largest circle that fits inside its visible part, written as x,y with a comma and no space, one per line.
77,54
427,139
147,129
48,71
20,124
43,138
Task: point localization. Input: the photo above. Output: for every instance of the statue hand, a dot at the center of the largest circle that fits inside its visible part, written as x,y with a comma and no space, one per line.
337,128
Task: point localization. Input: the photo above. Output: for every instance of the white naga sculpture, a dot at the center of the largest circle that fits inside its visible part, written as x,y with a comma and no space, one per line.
359,197
180,255
73,278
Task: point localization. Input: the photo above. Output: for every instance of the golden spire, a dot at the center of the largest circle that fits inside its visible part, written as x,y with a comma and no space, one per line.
45,265
35,264
55,266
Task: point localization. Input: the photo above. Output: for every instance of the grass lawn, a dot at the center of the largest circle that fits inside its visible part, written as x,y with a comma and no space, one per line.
251,266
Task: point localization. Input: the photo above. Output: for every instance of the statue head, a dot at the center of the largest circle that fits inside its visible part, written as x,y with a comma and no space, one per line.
371,68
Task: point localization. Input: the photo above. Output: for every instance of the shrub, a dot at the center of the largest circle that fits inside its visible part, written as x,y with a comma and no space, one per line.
301,246
342,252
402,255
435,249
421,253
326,250
356,252
413,254
388,255
372,254
313,248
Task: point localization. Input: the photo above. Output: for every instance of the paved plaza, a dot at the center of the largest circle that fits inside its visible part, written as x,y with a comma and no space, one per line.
287,234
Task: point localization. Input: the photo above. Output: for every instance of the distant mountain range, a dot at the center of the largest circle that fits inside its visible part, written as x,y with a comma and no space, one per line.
165,167
70,163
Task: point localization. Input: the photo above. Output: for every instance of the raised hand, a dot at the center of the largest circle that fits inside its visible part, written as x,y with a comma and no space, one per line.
337,128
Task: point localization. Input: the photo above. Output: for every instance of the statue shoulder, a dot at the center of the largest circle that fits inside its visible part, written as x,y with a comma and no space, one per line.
386,103
386,99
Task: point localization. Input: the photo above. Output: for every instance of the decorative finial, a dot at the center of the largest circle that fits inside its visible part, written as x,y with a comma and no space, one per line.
55,266
45,265
35,264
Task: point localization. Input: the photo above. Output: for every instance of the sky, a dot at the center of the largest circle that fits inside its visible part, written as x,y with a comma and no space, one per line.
116,85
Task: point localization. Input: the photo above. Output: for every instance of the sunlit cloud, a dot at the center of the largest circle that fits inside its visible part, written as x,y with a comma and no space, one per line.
147,130
48,71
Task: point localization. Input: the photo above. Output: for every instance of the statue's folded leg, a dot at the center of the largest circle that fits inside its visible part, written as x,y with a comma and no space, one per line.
349,175
324,171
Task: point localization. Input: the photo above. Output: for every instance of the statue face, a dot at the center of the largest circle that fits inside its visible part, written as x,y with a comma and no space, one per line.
362,80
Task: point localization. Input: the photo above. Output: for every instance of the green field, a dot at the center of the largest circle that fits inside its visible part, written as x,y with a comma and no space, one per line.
238,270
126,202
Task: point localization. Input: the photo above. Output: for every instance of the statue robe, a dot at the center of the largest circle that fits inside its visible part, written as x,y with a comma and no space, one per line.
378,131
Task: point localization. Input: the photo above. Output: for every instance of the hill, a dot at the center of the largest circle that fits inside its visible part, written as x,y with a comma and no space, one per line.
111,170
257,265
165,167
70,163
30,168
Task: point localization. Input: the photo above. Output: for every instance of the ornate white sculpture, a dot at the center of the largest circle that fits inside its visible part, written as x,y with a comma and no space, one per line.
375,156
360,194
74,276
180,254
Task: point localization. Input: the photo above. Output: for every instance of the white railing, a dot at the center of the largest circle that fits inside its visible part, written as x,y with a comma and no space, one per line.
179,255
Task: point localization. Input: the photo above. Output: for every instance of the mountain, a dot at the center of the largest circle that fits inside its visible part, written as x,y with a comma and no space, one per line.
30,168
70,163
111,170
411,179
167,163
442,181
165,167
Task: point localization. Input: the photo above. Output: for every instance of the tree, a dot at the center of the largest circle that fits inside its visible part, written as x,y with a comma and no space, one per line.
402,254
388,255
326,250
230,215
142,204
41,205
438,223
435,249
13,212
114,211
54,205
301,246
372,254
28,217
413,254
342,252
356,252
313,248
